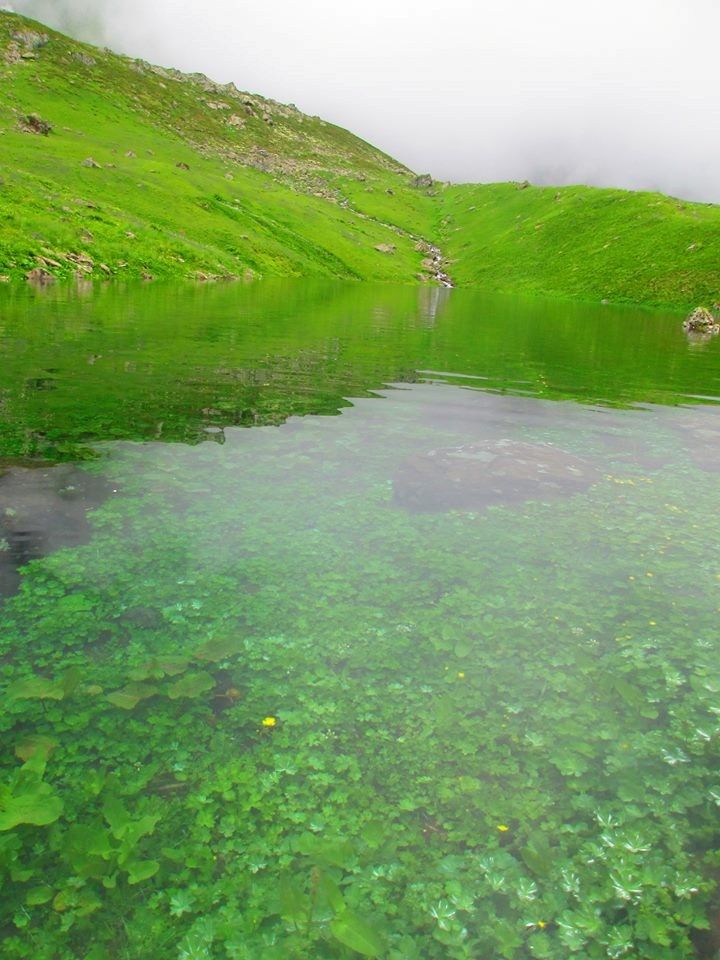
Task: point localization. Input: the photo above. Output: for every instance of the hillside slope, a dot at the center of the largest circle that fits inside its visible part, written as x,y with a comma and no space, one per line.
149,172
114,168
582,243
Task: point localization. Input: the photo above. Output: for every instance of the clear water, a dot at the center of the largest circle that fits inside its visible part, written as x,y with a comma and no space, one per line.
358,621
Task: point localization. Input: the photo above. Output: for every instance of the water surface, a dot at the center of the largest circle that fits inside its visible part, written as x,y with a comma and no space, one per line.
421,665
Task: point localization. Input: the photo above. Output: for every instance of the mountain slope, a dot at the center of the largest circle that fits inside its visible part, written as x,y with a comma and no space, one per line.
149,172
582,242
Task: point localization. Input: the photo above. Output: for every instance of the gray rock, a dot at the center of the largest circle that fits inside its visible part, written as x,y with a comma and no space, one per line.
475,476
40,277
701,320
422,182
41,510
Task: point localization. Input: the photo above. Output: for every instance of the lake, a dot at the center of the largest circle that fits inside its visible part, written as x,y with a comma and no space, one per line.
345,620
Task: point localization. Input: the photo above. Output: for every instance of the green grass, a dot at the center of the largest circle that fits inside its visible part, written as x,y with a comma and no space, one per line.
583,242
272,192
143,214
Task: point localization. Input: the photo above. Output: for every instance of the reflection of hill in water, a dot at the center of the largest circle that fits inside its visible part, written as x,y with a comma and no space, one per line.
169,362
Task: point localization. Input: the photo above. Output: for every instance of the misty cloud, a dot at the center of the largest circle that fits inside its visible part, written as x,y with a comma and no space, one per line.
618,92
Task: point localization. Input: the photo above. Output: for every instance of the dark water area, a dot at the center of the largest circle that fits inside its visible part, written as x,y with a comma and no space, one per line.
346,620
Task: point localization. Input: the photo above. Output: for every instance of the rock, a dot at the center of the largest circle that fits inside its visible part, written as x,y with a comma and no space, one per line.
89,162
32,123
235,121
478,475
40,277
217,105
524,184
182,166
84,263
131,154
422,181
701,320
385,247
83,58
699,432
30,39
41,510
389,192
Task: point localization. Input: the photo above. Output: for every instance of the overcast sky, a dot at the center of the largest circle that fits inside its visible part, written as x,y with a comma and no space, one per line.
609,92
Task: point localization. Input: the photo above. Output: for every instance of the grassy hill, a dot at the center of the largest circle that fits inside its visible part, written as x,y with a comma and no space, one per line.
582,242
114,168
150,172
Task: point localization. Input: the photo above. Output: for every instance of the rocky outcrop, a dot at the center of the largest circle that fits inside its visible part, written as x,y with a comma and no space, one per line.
478,475
422,182
33,123
701,320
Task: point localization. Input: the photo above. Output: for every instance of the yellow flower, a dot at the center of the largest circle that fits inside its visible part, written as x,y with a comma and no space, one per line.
502,827
542,924
269,721
461,675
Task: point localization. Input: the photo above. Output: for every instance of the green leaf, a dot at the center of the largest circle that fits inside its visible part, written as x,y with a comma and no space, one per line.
160,667
354,932
35,744
37,804
117,816
131,694
219,648
294,903
139,870
35,688
38,896
192,685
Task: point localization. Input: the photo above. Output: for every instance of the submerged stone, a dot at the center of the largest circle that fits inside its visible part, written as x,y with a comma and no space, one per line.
700,433
41,510
478,475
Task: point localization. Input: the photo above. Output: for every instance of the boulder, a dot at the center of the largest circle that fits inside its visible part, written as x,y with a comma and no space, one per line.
474,476
699,432
422,182
41,510
89,162
701,320
33,123
40,277
385,247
